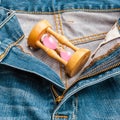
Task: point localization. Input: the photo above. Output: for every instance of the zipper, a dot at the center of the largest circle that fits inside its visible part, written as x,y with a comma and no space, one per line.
89,75
59,98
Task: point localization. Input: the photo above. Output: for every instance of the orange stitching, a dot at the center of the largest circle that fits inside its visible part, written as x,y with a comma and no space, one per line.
2,55
61,116
102,56
94,60
61,46
104,33
69,10
89,38
61,27
21,48
12,44
118,26
58,98
56,24
90,75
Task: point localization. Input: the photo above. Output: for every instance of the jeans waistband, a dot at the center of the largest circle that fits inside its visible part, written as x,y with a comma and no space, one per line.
52,6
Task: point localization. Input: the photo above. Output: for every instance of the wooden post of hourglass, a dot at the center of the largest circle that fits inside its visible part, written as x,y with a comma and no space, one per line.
77,60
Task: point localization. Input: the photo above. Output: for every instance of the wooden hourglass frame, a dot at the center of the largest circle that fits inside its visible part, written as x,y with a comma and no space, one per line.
78,58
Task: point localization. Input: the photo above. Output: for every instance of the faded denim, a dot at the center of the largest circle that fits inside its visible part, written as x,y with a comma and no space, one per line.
26,82
57,6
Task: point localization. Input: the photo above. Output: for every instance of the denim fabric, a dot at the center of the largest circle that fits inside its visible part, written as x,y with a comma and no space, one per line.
26,82
21,96
60,6
97,102
10,33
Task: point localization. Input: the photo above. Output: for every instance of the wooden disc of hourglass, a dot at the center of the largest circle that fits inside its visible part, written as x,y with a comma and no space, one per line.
78,58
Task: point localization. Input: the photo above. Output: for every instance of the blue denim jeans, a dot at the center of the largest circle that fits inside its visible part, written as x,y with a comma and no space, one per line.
30,87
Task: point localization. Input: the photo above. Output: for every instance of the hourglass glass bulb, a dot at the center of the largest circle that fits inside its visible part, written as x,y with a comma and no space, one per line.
49,41
66,55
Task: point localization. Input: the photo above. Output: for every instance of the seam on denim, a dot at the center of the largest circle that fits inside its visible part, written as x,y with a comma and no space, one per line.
102,56
7,19
101,69
56,27
96,59
23,106
57,30
84,86
62,33
22,49
90,75
61,116
2,56
70,10
76,109
73,112
61,26
93,74
61,68
89,38
101,66
56,24
56,83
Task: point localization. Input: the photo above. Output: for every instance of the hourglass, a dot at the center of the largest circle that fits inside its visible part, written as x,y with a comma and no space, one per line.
42,36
